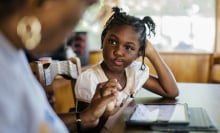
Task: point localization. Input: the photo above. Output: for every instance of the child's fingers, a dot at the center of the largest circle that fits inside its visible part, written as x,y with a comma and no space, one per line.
106,88
99,89
109,88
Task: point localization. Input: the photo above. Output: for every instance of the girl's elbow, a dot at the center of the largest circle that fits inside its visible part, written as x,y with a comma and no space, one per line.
173,94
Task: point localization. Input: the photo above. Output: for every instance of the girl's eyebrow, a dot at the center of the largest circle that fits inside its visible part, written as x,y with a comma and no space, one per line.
112,35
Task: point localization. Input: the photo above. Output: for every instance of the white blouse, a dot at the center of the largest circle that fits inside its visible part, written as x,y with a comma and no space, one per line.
87,81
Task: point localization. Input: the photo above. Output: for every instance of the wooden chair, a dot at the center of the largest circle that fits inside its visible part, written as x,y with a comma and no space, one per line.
215,69
48,73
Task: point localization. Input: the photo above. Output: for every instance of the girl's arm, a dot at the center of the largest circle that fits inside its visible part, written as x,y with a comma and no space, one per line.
164,83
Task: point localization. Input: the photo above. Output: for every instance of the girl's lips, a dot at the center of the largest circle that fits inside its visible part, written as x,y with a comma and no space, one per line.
118,62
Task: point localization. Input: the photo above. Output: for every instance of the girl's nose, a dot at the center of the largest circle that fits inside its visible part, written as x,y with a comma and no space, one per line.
118,51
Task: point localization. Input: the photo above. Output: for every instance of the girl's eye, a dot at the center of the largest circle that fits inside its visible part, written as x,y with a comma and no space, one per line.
129,48
112,42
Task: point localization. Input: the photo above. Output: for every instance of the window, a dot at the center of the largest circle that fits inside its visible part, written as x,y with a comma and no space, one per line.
181,25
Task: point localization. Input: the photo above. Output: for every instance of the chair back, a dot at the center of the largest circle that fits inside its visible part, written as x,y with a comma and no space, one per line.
46,73
215,69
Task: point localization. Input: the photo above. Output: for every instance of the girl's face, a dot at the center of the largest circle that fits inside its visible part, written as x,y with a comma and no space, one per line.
120,47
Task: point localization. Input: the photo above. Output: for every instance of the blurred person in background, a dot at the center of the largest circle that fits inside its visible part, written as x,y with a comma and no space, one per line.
39,27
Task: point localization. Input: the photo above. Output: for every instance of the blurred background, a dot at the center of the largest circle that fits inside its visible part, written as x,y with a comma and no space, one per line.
187,35
186,25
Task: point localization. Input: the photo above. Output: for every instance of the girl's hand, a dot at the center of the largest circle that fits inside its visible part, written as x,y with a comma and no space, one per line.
112,84
149,49
105,94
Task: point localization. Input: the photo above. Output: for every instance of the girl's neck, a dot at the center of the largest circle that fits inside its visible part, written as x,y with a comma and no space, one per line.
121,77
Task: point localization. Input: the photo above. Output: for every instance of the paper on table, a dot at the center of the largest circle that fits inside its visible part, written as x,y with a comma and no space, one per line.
160,113
143,113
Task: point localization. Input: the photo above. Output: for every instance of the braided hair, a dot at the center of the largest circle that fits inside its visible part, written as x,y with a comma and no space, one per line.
121,18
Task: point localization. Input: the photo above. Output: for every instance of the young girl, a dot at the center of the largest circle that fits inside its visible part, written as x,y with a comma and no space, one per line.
123,41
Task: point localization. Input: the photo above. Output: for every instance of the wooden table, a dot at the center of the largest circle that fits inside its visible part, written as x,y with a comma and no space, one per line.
194,94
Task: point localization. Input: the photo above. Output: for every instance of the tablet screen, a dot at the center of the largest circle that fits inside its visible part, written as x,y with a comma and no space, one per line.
160,113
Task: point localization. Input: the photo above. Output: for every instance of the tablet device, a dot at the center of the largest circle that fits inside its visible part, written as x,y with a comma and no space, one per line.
199,121
159,114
